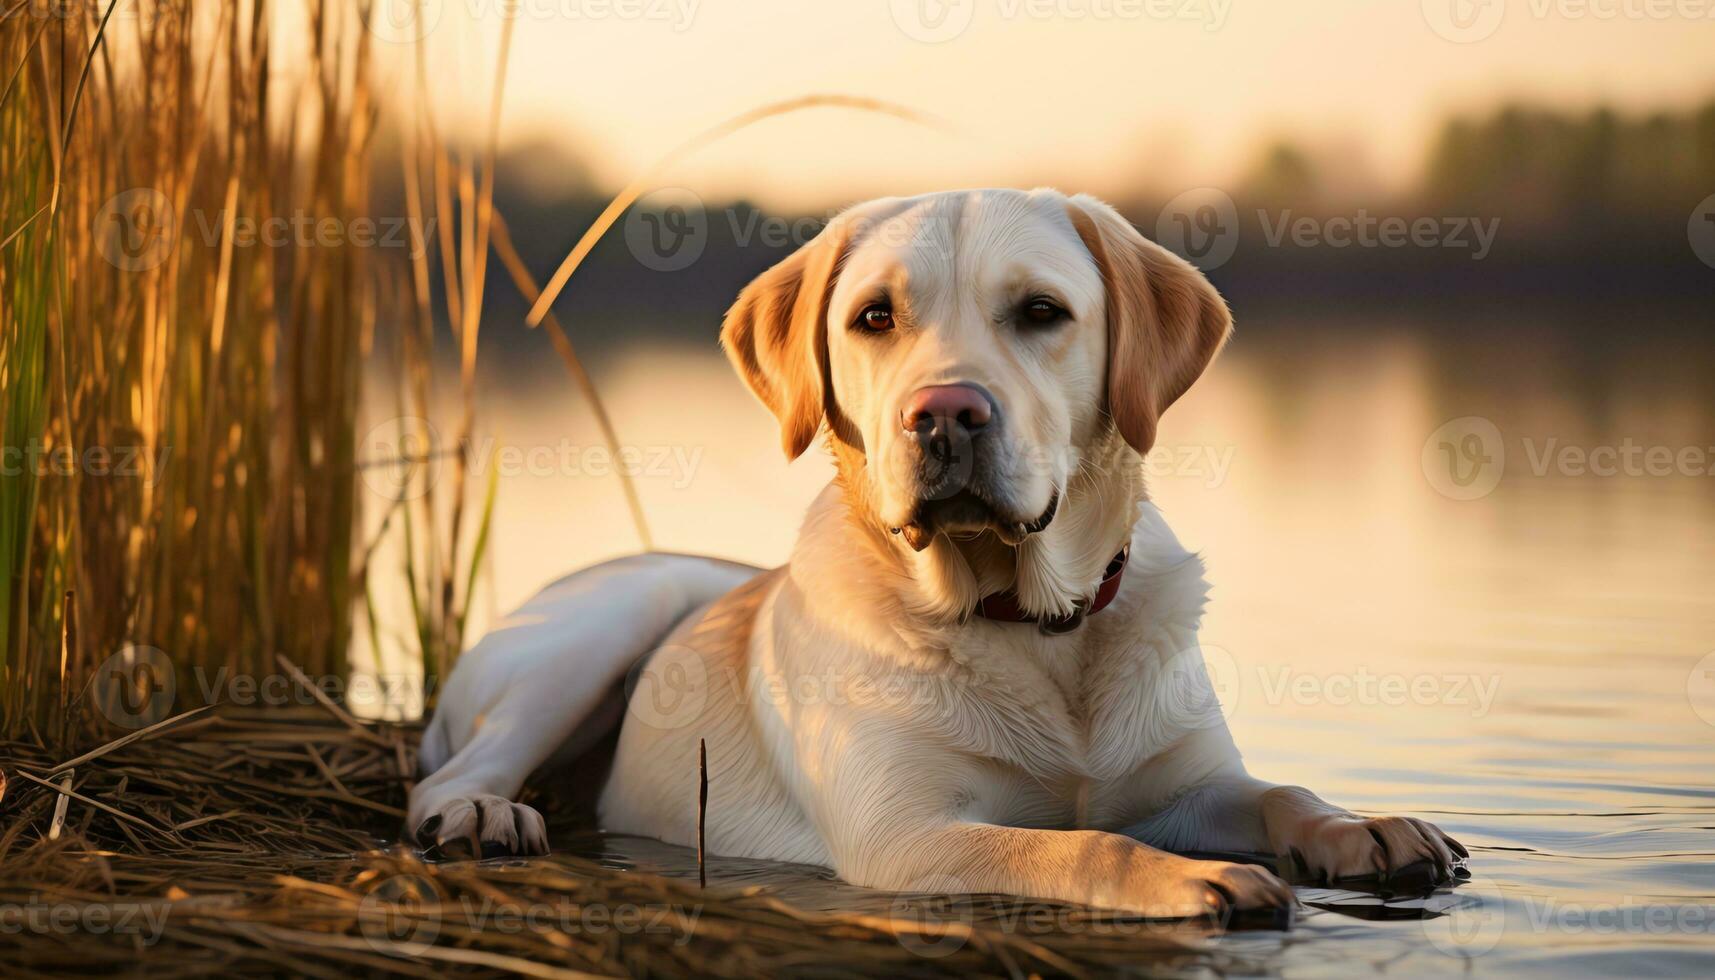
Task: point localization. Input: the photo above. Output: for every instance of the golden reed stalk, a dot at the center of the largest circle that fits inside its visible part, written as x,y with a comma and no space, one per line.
177,403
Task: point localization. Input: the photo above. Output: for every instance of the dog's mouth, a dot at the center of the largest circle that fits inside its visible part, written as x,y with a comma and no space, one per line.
967,514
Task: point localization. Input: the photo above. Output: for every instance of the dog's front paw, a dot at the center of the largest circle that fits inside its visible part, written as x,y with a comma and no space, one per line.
489,826
1222,889
1168,886
1327,843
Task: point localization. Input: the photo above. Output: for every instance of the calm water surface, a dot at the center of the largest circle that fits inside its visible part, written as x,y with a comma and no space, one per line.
1521,649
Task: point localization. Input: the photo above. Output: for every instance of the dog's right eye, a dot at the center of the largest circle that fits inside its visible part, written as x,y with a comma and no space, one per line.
876,318
1042,311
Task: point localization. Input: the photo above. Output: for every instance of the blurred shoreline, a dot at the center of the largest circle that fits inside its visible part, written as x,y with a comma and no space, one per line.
1588,221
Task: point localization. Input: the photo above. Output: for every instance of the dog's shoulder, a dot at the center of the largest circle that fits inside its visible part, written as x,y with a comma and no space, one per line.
726,624
1144,683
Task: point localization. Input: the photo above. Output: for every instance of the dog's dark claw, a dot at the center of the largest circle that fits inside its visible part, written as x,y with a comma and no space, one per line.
426,830
1222,913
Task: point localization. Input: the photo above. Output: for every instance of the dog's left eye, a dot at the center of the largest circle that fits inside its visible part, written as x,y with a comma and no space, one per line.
1042,311
876,318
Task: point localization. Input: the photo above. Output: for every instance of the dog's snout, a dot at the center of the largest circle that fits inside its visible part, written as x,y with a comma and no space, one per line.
941,406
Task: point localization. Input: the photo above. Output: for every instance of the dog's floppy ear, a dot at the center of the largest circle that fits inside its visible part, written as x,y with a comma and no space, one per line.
776,336
1165,322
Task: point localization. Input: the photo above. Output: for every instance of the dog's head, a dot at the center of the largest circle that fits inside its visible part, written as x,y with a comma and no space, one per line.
969,350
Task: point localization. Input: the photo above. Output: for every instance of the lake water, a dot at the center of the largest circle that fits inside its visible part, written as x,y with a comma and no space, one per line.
1505,625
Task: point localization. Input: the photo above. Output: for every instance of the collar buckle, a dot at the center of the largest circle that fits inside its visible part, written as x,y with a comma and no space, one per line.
1061,625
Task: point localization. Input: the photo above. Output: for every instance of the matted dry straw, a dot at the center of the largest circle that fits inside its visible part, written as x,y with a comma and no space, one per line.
247,843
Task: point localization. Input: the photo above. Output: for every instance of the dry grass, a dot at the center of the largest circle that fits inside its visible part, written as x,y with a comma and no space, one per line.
188,301
191,397
239,844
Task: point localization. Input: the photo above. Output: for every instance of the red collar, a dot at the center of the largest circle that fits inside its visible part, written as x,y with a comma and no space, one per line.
1003,606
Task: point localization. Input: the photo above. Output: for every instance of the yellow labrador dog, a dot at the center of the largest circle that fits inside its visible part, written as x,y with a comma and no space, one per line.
979,670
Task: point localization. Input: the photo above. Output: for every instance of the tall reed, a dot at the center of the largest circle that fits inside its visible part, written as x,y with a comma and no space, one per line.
448,189
181,337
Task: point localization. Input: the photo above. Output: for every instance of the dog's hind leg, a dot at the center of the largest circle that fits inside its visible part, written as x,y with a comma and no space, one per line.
540,684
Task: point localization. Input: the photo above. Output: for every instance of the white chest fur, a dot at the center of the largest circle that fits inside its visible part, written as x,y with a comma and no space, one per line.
1069,721
1059,726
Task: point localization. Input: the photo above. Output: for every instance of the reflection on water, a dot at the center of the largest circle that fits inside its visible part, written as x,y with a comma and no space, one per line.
1525,667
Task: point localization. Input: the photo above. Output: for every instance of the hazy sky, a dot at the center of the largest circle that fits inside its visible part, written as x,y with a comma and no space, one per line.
1084,94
